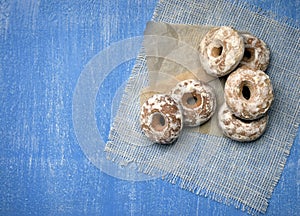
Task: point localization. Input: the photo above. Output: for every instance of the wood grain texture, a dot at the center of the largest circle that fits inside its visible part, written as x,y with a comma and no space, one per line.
44,46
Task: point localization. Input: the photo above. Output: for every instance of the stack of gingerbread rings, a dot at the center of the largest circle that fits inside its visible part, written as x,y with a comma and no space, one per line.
248,90
248,96
190,103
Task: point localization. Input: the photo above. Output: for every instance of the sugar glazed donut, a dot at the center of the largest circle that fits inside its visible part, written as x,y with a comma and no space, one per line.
248,93
161,119
240,130
221,50
197,100
257,54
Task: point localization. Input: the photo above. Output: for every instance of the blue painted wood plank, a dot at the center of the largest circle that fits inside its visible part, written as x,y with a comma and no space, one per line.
44,46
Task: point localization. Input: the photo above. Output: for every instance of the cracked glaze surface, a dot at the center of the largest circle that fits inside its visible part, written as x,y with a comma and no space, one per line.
238,129
203,104
260,93
167,128
257,54
221,50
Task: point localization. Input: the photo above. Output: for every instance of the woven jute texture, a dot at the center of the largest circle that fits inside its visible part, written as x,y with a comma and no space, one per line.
239,174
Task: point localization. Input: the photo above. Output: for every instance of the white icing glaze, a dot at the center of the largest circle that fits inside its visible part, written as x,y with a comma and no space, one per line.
261,93
202,109
259,54
229,57
169,110
239,130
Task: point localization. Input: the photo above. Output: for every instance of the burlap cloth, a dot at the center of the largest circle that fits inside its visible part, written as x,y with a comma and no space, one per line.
243,175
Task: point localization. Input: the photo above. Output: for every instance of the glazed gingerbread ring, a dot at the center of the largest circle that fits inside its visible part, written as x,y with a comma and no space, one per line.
221,50
257,54
240,130
197,100
248,93
161,119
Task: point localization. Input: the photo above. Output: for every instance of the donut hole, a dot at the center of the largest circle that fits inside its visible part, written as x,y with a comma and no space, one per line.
191,100
217,51
158,122
246,92
248,54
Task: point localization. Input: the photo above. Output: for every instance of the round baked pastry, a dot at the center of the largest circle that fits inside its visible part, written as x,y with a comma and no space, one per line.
248,93
256,54
221,50
240,130
161,119
197,100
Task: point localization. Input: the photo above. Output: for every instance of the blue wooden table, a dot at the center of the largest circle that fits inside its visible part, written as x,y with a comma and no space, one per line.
44,46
